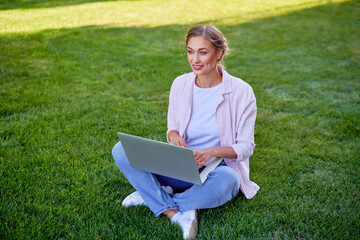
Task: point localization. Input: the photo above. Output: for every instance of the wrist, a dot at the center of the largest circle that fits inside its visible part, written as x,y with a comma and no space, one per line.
214,151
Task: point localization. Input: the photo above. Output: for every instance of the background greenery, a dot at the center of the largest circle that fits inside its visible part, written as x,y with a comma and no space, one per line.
75,72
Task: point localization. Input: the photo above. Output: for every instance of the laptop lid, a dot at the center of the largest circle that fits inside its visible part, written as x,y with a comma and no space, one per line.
164,158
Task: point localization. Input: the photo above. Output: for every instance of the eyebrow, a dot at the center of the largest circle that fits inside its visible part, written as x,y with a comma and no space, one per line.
199,48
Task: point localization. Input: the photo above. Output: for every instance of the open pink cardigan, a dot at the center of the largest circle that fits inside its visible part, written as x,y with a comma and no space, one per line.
235,117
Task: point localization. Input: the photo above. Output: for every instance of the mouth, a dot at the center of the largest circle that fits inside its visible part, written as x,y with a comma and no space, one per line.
197,67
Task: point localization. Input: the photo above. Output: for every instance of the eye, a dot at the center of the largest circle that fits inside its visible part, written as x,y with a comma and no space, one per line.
189,51
203,53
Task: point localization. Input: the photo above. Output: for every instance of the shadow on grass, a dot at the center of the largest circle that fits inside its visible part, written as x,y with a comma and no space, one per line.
297,57
29,4
66,92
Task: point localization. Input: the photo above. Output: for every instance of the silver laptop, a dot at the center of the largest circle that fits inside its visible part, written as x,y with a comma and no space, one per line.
165,159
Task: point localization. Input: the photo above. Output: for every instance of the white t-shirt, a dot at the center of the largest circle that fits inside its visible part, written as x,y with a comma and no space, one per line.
202,130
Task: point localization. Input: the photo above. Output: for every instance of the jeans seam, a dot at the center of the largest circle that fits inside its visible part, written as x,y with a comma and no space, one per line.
166,207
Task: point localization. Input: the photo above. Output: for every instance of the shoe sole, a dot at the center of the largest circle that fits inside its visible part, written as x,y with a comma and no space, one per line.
193,231
194,227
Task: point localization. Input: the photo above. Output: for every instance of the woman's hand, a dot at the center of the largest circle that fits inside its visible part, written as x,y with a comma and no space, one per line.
202,156
176,139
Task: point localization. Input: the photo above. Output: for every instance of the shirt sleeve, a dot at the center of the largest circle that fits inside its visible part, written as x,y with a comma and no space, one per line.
244,137
171,118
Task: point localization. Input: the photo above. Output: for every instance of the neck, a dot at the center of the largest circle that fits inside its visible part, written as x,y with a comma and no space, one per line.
209,80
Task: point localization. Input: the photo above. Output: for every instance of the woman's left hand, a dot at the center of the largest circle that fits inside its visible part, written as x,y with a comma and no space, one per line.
202,156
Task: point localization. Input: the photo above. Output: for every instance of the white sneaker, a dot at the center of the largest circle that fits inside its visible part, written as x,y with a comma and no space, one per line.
188,223
168,189
134,199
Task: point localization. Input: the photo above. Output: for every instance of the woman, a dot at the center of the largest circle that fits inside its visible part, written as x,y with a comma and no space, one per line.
212,113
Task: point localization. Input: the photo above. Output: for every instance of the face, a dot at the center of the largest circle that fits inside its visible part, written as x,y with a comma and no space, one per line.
202,55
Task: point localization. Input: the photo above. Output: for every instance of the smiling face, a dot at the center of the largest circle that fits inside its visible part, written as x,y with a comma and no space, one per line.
202,55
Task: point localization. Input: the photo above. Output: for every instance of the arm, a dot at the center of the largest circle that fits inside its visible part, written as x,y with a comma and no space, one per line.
244,141
202,156
176,139
178,104
173,135
242,145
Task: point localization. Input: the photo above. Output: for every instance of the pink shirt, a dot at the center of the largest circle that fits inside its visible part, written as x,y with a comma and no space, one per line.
235,117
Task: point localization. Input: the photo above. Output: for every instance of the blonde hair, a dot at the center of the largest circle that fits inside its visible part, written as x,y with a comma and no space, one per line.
212,34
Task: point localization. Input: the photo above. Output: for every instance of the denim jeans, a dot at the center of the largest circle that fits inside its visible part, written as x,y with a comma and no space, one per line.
221,186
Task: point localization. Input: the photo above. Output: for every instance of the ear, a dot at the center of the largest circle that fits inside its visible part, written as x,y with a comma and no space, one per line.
219,54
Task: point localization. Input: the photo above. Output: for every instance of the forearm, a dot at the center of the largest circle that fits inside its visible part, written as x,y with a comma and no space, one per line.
204,155
223,152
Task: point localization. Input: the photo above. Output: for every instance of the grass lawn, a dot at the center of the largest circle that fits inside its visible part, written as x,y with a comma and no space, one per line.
75,72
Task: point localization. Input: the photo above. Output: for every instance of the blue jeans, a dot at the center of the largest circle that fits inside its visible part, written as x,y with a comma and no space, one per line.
221,186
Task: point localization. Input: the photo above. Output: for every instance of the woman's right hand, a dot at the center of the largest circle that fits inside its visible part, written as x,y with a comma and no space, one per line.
176,139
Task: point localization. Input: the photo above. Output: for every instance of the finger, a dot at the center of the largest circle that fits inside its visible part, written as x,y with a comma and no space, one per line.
174,143
196,155
177,142
200,165
199,157
183,143
199,161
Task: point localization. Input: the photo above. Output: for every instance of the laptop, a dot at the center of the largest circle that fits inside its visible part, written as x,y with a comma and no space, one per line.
165,159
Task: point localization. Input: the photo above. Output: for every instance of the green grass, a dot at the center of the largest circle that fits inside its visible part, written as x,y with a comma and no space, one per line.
73,73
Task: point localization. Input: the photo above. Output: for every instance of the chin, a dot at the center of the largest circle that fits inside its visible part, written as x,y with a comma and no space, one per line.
200,72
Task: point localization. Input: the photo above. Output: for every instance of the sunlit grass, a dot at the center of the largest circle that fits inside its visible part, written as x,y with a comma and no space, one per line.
143,13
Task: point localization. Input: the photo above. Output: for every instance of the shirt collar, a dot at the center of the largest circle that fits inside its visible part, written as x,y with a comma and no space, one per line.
226,79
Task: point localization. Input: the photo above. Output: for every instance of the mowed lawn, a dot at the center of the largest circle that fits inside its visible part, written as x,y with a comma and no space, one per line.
75,72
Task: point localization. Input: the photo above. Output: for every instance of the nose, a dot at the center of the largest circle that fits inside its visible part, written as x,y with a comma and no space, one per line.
196,58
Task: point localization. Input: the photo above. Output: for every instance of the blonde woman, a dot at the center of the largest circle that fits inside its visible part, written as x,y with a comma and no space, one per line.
213,113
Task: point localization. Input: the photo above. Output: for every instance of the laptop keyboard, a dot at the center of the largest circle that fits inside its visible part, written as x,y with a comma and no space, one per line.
201,169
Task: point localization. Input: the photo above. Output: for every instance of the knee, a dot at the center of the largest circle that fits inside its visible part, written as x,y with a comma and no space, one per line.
230,180
234,179
119,154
